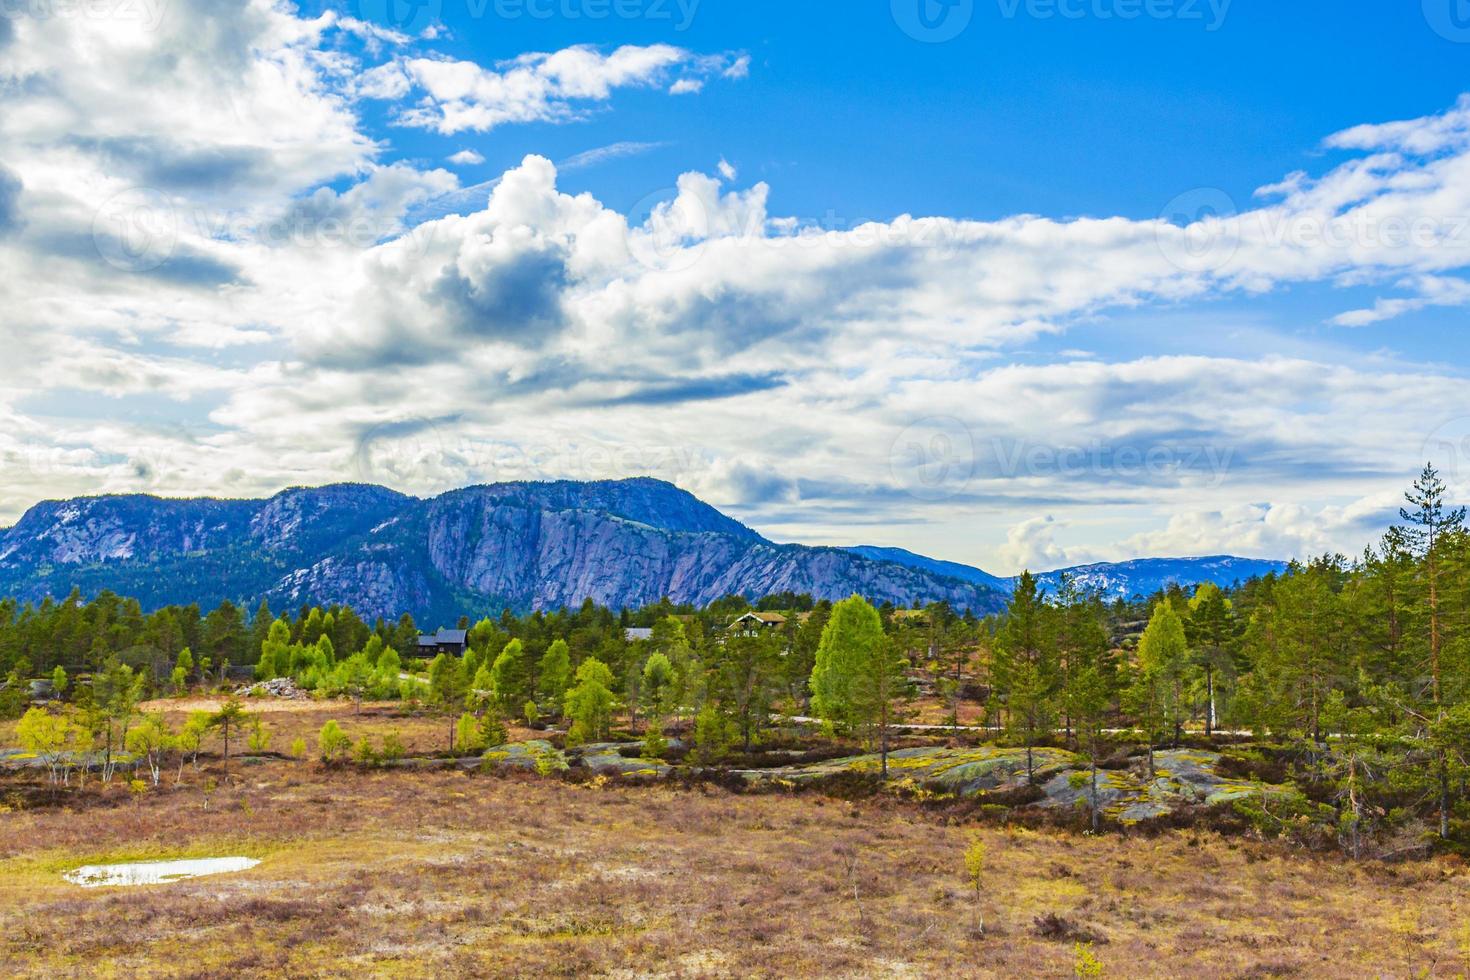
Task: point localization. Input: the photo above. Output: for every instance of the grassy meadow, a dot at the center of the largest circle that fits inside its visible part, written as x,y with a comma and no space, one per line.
446,873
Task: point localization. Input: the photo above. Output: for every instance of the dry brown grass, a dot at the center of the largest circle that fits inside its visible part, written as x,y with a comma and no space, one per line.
450,874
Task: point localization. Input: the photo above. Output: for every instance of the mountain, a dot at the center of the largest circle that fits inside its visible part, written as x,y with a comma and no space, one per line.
1145,576
1114,580
953,569
467,552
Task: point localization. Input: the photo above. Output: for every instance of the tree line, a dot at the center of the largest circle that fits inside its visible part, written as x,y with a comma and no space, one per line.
1361,666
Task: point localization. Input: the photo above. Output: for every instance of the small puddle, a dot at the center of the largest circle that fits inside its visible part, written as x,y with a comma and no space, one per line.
155,872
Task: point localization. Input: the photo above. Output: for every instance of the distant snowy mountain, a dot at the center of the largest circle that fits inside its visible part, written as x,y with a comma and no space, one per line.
1114,580
1145,576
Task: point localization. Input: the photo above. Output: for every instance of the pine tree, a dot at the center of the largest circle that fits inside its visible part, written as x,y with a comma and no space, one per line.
1026,666
1212,631
1430,521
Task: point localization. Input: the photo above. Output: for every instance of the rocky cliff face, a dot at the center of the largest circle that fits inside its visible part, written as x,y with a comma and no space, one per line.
472,551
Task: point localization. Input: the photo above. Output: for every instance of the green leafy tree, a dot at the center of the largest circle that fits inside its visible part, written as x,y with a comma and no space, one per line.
554,672
275,655
185,661
468,736
115,695
492,730
975,876
191,738
393,747
654,743
590,702
657,686
259,740
48,737
1163,654
150,741
332,742
850,648
510,677
447,690
671,640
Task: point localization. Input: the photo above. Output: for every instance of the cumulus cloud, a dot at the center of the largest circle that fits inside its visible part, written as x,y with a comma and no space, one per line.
1031,545
291,288
10,188
1266,530
466,158
541,87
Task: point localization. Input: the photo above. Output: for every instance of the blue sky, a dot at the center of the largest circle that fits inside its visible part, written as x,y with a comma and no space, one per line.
845,113
1085,279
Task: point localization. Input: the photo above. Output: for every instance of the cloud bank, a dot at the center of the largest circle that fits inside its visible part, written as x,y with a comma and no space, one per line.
218,280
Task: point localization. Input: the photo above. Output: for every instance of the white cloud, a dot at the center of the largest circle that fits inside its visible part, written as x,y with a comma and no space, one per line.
1031,546
466,158
769,362
1269,530
555,87
602,154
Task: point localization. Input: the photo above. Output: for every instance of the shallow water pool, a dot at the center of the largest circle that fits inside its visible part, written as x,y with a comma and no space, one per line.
155,872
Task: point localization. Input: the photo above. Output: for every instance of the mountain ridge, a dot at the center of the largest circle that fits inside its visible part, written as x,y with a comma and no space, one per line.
469,551
474,550
1114,580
